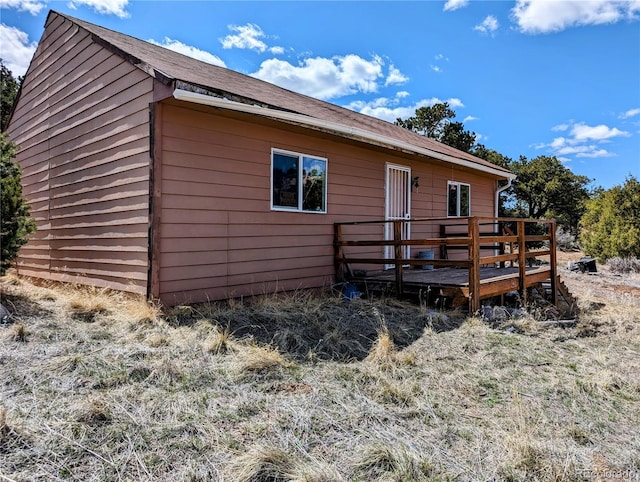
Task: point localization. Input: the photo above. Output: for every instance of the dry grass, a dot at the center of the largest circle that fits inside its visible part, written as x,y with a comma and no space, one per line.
220,341
100,386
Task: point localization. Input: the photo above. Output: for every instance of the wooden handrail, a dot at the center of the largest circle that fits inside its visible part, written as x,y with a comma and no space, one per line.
472,240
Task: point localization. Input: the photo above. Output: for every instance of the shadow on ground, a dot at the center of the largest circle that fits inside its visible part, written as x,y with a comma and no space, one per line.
326,328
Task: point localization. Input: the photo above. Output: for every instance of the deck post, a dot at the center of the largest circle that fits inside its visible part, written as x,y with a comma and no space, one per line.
553,261
522,262
397,250
474,265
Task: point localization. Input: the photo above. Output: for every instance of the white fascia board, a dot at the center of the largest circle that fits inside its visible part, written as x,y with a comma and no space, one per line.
334,127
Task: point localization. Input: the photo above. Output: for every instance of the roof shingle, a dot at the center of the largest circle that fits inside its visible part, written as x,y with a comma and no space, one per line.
166,63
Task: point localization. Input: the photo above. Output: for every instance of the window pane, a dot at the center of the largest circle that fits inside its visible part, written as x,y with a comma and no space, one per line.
314,175
453,200
464,200
285,181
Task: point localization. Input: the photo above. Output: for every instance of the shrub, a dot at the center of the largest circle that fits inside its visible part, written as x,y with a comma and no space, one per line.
624,265
566,241
15,222
611,224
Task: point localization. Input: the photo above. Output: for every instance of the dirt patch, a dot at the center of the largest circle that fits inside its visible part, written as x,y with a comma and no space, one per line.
604,286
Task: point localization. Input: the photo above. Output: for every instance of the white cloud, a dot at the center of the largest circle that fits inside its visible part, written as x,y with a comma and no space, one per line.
15,49
189,50
589,150
595,153
395,76
32,6
558,143
583,132
582,140
389,109
248,37
324,78
451,5
453,102
489,25
469,118
435,67
105,7
629,113
402,94
544,16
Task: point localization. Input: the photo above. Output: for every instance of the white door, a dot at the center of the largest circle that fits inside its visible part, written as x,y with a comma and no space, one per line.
398,205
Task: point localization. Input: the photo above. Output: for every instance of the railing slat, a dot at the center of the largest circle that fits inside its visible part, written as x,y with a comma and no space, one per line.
470,239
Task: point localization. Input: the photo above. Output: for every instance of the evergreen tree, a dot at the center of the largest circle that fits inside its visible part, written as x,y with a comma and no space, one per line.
611,223
544,188
435,122
15,222
9,87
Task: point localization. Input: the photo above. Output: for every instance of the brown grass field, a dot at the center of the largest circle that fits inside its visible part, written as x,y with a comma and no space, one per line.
307,387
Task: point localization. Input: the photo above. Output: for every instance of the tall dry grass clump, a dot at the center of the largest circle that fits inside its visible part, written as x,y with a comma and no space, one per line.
384,461
263,463
383,350
88,302
254,358
220,341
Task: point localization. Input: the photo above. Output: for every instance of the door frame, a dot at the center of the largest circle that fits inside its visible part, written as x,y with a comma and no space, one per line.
392,194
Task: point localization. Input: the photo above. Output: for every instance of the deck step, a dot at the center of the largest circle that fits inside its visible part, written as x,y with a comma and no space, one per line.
563,291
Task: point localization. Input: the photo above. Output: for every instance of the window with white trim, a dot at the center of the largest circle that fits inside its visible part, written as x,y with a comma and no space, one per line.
298,182
458,199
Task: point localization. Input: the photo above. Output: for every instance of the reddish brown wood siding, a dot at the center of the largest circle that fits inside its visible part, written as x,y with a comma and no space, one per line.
82,124
218,236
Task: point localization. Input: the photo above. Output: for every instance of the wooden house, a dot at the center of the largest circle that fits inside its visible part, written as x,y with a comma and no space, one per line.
151,172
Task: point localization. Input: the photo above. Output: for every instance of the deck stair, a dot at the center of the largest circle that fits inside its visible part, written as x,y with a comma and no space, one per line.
563,291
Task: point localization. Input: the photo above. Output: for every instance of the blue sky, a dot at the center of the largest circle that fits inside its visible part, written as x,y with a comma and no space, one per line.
530,77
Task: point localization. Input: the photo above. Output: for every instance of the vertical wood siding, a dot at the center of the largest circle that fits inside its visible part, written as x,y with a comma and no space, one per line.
218,236
82,124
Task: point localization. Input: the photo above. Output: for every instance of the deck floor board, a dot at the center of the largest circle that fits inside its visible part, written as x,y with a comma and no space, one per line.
447,277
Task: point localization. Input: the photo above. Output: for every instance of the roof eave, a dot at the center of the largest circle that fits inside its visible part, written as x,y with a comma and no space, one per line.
350,132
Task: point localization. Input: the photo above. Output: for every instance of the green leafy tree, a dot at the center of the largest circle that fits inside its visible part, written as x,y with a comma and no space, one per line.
15,222
611,223
436,123
545,188
9,87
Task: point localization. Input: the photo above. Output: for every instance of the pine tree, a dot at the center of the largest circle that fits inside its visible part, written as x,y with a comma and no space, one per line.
15,221
611,224
9,87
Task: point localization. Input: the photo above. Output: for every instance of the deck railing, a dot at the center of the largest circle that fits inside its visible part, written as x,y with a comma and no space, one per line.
477,241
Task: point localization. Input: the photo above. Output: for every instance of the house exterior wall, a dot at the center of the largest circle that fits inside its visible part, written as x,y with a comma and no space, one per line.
217,235
82,124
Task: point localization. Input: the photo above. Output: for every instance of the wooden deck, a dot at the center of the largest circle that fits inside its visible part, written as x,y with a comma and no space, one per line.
481,258
454,282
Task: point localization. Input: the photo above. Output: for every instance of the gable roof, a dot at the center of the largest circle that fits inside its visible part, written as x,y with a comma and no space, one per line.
200,82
